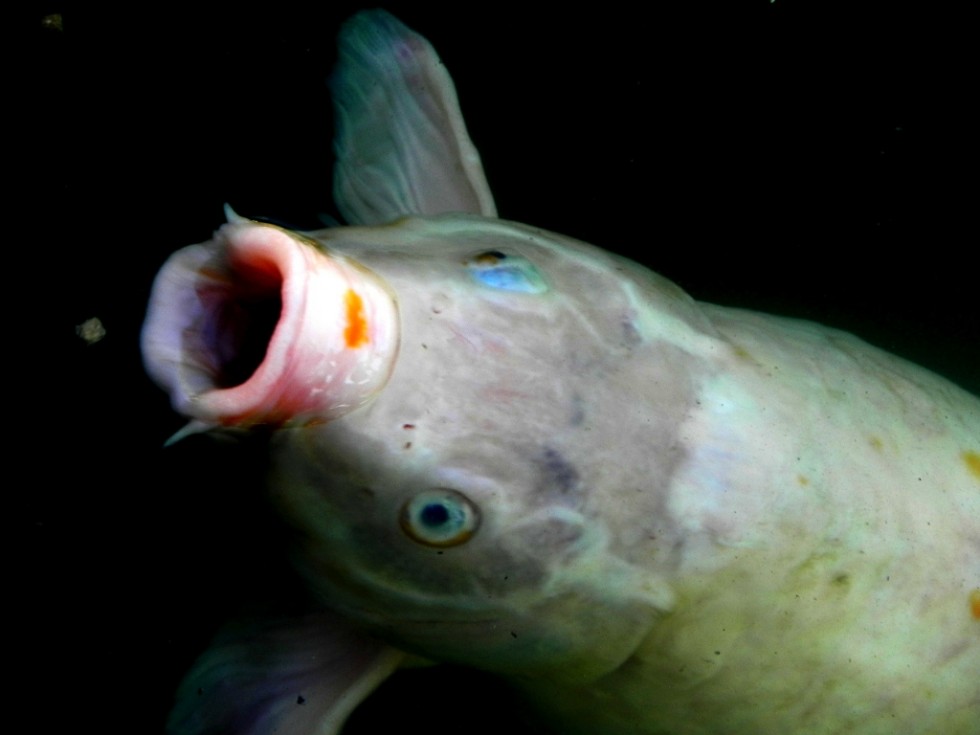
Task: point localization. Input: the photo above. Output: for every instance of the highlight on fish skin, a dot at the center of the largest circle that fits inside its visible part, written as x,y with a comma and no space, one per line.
502,448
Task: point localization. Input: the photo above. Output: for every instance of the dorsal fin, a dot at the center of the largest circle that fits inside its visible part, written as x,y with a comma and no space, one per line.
401,144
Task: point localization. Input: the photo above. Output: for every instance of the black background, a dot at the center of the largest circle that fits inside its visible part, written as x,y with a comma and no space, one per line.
814,163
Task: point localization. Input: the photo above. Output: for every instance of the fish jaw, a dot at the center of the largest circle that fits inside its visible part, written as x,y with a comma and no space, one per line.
264,326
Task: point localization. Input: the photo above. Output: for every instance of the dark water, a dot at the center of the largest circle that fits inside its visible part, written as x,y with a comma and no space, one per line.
769,159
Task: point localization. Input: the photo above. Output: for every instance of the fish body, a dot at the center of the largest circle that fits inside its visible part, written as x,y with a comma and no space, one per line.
503,448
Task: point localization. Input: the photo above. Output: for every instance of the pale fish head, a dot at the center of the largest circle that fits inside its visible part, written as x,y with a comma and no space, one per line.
482,507
452,449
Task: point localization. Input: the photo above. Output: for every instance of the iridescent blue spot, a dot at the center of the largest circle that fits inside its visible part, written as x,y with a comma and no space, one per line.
506,272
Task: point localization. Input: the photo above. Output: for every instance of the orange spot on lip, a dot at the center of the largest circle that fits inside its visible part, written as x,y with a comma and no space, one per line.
972,460
356,332
975,604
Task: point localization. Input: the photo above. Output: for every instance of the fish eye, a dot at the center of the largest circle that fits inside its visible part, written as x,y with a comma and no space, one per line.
441,517
505,272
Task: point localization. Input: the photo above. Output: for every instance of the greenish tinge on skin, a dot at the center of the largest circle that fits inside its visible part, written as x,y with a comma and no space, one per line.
503,448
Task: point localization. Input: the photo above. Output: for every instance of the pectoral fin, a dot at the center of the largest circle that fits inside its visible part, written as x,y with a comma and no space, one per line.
288,676
401,144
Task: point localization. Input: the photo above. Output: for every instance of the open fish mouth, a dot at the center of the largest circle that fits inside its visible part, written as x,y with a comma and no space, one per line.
261,326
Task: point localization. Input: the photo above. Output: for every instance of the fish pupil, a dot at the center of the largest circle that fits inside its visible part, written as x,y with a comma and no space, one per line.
434,515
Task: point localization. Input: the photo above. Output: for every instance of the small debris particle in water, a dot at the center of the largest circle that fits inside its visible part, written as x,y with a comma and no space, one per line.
91,330
53,22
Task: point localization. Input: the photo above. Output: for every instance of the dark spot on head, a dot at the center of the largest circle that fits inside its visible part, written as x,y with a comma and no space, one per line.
559,474
631,334
842,579
578,411
301,699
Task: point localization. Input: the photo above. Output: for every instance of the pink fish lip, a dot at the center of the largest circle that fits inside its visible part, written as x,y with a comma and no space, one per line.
262,326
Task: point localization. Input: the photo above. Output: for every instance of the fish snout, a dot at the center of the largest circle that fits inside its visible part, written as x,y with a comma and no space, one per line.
264,326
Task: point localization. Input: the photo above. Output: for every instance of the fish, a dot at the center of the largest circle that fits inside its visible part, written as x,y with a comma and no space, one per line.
501,448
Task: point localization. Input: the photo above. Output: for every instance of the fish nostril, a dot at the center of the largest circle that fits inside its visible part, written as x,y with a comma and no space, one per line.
503,272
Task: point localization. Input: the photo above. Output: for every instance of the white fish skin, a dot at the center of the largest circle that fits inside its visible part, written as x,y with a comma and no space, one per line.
652,515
